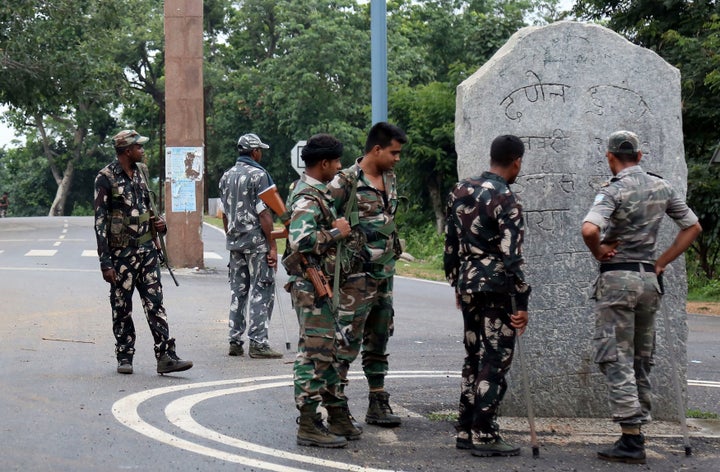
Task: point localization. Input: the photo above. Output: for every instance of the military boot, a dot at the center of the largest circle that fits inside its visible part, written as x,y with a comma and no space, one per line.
340,422
493,446
170,362
379,411
312,431
630,449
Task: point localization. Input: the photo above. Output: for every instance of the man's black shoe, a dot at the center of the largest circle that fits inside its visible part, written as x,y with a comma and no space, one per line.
630,449
124,366
170,362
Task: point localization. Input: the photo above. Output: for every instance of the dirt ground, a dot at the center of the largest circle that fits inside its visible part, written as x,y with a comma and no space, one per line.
703,308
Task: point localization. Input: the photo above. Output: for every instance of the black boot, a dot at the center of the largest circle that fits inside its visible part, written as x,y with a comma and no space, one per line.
312,431
630,448
168,361
340,422
379,411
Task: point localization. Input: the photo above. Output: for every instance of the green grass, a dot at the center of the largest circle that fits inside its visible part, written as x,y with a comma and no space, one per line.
704,415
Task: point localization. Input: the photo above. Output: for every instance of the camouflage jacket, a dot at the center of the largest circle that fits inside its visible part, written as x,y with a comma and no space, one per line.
239,189
310,230
483,238
122,213
630,208
373,214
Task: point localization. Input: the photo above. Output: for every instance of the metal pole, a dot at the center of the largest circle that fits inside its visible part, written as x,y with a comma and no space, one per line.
378,59
676,385
526,387
282,318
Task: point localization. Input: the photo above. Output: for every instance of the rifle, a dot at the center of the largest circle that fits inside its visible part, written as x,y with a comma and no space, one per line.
156,237
160,246
271,197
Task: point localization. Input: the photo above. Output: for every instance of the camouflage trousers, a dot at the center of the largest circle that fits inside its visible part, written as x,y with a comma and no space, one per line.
624,340
315,371
141,270
489,346
252,287
365,317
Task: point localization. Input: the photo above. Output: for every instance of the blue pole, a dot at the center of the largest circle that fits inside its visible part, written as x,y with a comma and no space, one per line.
378,59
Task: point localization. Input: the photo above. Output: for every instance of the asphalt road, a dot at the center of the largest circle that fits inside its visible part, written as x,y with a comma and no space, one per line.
64,408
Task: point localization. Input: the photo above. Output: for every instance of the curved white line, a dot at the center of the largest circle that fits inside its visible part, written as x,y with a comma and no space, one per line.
178,413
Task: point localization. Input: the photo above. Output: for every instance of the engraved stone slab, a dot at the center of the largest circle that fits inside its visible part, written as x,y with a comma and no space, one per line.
563,88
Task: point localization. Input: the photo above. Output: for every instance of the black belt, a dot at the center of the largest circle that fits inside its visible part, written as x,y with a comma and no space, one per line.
631,266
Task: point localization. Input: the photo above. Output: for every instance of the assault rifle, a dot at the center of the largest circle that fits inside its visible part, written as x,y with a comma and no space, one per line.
160,246
271,198
158,240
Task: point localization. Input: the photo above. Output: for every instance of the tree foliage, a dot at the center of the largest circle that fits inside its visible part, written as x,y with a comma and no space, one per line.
686,33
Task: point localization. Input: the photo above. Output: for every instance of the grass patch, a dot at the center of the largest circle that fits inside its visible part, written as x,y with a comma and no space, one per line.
703,415
420,269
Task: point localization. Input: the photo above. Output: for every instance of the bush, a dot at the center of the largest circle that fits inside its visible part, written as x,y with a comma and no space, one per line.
424,243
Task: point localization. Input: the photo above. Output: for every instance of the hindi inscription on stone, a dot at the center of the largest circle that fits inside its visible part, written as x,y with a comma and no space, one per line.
563,88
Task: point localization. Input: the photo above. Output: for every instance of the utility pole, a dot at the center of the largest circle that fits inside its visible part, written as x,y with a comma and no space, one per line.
378,59
184,129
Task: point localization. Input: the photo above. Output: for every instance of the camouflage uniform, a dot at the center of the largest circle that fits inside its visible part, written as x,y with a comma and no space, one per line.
483,261
248,270
365,309
124,241
311,233
629,209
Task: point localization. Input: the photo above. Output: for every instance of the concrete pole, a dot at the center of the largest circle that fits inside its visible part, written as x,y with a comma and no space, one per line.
378,59
184,125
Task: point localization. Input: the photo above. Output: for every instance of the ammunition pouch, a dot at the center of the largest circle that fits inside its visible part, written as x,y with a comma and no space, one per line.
119,238
292,261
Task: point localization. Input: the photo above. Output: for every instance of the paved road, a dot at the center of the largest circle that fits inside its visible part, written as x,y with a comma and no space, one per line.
63,407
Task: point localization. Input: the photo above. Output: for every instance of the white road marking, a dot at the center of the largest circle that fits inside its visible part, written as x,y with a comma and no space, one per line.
89,253
178,413
57,243
703,383
41,252
212,255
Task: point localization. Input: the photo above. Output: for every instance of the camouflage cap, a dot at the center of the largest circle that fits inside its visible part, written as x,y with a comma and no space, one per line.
623,142
128,137
251,141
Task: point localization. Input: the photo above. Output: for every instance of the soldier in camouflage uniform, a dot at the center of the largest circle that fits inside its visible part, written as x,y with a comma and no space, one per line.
128,255
248,223
366,194
483,261
313,234
621,232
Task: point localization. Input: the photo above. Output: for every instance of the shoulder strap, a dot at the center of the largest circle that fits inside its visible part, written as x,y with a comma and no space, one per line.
310,192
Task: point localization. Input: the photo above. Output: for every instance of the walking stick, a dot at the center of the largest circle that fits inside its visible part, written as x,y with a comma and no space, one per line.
526,387
282,318
676,384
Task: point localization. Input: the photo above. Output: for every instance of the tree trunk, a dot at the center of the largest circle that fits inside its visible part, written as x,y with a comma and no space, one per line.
438,204
58,205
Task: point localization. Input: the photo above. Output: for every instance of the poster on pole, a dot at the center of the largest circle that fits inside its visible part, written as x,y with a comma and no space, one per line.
183,167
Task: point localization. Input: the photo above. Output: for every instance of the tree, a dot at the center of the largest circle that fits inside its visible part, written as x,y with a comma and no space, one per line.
292,69
686,34
448,40
73,65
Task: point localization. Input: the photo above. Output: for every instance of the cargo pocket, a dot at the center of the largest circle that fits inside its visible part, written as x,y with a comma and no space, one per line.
605,345
302,293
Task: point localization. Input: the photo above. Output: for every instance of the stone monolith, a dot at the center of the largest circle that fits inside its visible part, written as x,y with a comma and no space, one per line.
563,88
